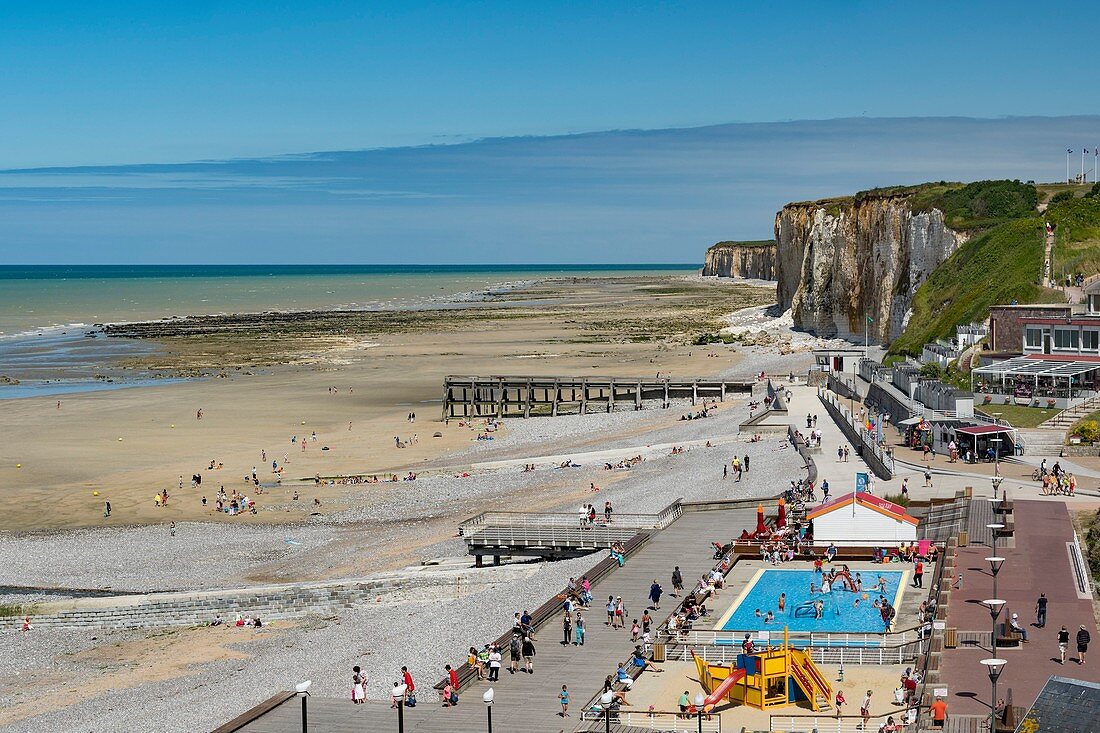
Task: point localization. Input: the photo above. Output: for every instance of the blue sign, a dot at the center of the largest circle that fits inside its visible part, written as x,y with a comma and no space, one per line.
861,482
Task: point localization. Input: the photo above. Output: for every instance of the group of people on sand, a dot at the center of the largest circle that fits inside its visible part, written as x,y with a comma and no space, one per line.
624,463
239,622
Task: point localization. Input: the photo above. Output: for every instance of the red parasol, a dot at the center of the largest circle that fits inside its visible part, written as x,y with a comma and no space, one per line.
760,528
781,521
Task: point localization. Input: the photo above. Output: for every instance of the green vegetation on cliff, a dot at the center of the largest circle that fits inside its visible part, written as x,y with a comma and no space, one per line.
747,243
1000,265
978,205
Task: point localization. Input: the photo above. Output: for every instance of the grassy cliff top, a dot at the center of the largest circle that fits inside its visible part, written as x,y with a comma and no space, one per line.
966,206
748,243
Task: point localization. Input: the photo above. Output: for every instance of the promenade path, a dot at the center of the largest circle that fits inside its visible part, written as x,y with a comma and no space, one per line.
1038,563
529,702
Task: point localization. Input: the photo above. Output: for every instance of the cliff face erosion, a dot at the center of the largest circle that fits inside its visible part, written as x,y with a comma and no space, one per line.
839,262
741,259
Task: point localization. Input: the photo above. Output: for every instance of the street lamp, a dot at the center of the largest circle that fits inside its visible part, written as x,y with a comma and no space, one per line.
302,688
994,667
996,458
993,530
994,605
605,701
699,702
399,695
487,698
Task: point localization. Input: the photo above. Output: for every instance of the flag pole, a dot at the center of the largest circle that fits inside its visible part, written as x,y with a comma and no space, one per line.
1067,164
1082,165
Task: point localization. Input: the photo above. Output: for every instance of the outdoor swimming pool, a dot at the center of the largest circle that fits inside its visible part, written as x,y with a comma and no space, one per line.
841,612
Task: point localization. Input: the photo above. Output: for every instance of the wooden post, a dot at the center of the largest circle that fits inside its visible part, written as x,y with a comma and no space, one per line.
527,403
557,398
584,396
694,393
638,396
611,397
666,395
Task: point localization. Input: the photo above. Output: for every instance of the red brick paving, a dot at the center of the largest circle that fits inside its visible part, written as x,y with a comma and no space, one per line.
1038,564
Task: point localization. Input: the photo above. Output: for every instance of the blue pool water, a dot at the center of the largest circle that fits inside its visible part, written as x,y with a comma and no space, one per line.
841,613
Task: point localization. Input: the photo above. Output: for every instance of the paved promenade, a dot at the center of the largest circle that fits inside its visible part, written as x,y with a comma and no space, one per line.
529,702
1038,563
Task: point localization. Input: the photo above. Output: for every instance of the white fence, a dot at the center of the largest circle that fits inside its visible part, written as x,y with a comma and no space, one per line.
593,720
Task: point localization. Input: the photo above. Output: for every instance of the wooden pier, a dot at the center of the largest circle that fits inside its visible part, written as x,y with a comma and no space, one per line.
531,396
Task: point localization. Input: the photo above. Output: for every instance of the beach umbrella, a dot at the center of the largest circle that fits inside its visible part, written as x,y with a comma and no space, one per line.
760,528
782,520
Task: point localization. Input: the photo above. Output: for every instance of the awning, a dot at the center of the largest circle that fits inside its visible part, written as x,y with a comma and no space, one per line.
1042,365
910,421
984,430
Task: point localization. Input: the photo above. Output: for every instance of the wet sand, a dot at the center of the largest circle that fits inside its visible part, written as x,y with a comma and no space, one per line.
54,459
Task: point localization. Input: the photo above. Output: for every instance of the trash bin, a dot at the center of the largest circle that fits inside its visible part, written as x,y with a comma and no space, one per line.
659,652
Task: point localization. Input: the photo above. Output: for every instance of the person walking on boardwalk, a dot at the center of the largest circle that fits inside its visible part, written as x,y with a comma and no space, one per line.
745,463
579,630
1041,610
610,611
1083,640
514,651
839,702
918,574
563,698
1063,642
528,655
677,582
655,591
566,629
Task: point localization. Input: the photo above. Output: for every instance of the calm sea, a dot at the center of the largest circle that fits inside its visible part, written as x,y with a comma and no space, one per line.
45,296
45,311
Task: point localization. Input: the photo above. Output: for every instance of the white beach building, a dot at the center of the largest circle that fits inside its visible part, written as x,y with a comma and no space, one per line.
863,520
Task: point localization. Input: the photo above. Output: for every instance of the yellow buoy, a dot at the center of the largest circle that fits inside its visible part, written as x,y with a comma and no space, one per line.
95,493
18,465
172,425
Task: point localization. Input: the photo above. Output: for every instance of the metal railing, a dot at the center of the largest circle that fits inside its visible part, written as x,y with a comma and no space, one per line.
593,720
870,448
803,639
1082,578
660,520
877,656
833,724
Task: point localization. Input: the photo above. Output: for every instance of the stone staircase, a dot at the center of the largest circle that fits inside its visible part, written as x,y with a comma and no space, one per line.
1065,419
1041,442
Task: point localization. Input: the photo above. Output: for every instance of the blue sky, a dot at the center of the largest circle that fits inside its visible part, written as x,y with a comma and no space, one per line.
497,93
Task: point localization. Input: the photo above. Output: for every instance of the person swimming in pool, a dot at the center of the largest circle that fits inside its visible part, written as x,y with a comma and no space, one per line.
782,602
819,610
769,618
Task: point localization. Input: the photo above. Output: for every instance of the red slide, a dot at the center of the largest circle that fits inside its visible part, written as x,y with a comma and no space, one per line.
720,691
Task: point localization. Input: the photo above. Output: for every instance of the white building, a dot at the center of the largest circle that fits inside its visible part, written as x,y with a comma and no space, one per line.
862,520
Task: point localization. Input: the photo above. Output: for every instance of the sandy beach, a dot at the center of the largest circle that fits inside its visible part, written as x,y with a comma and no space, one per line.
129,445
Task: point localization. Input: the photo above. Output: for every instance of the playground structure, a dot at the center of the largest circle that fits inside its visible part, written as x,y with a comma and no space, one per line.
769,678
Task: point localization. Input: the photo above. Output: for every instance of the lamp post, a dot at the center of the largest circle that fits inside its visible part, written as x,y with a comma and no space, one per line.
994,605
605,702
487,698
399,695
994,528
699,702
993,667
302,688
996,464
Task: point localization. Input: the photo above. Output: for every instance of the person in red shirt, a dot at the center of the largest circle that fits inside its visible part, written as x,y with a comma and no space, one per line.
408,679
918,574
452,676
840,702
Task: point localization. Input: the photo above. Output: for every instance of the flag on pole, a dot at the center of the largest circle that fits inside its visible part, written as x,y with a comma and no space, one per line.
1068,151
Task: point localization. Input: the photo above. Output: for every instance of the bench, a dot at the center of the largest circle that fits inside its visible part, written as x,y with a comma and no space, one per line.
551,609
1006,637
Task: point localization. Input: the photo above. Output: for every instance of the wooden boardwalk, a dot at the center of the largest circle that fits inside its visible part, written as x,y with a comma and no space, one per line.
529,702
